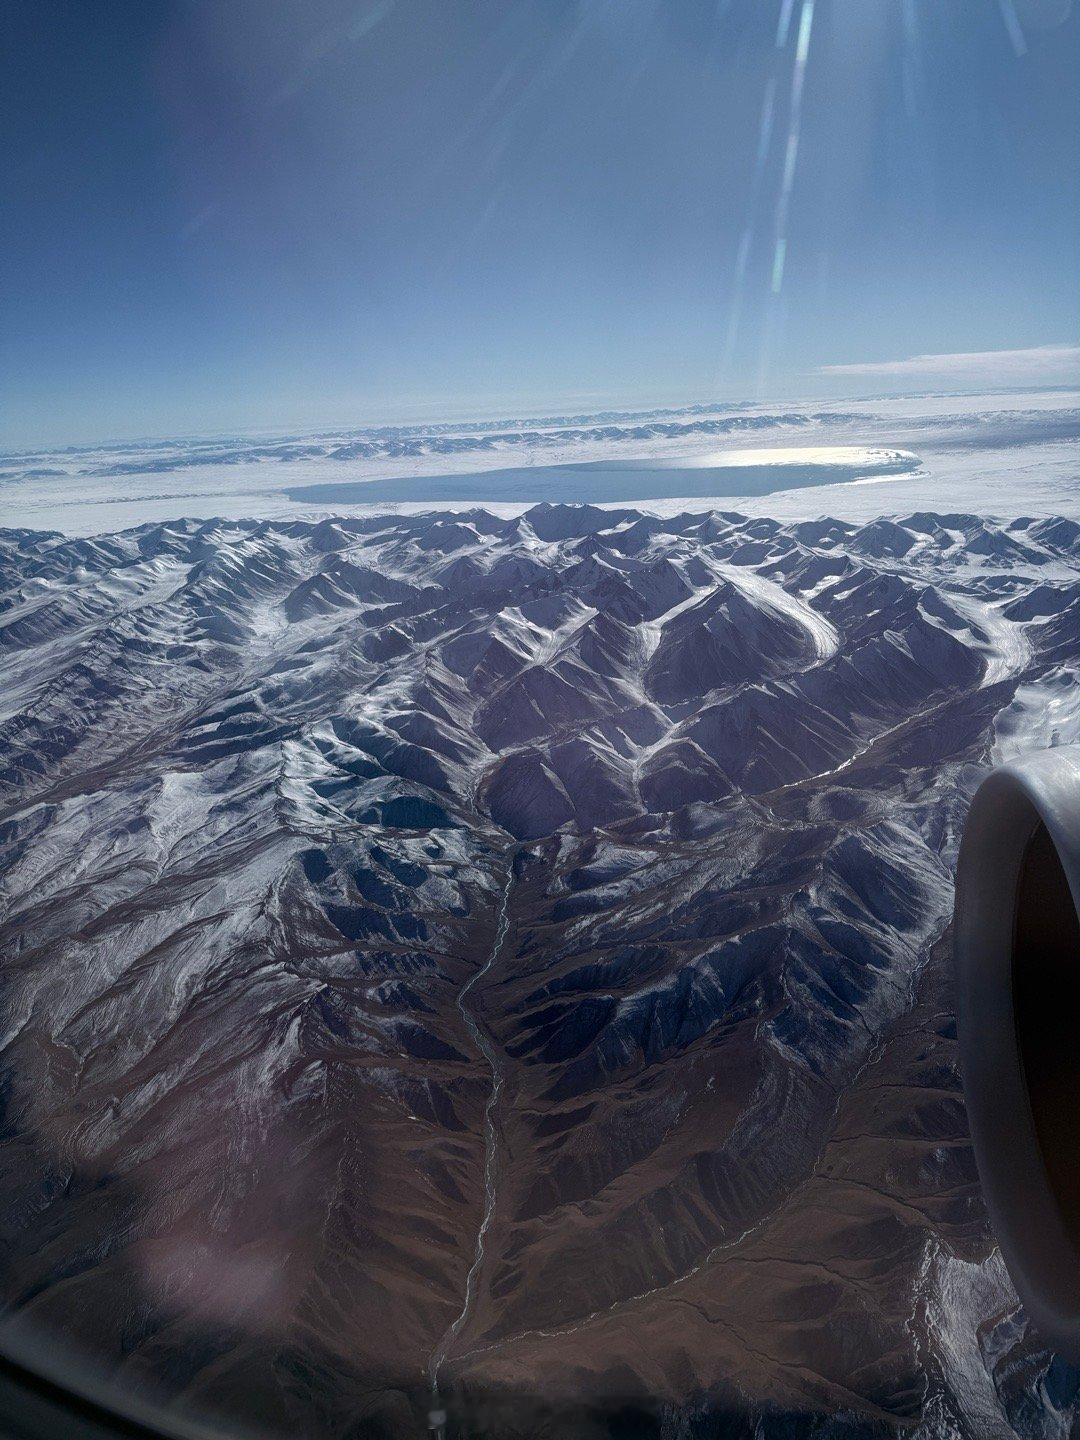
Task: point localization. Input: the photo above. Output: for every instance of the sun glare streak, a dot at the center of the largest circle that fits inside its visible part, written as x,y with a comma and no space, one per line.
910,58
795,20
1013,26
774,319
791,154
746,242
784,25
804,33
765,129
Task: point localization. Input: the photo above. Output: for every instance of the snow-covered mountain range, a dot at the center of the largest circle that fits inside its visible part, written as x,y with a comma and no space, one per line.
509,955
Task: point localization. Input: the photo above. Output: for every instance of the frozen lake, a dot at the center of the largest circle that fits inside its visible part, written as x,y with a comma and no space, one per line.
599,482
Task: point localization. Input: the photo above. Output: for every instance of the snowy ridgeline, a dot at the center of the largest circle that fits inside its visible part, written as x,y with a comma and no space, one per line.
528,932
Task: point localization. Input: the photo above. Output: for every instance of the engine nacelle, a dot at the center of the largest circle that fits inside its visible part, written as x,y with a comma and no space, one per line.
1017,949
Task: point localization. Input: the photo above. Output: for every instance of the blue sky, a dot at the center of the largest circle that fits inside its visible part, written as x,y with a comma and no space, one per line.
226,215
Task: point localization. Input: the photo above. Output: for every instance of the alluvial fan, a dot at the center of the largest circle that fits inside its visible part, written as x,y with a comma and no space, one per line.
511,955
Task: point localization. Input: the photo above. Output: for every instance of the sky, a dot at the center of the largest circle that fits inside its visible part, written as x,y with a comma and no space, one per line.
239,214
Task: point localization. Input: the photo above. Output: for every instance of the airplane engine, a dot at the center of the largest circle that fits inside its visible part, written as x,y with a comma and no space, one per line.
1017,958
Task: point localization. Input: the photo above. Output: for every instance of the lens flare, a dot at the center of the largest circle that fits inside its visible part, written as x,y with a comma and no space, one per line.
767,247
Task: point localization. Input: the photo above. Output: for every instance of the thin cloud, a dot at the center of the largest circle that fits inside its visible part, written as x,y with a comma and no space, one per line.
1050,364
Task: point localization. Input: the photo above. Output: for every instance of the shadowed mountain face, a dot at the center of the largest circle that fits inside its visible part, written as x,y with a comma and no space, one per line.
510,957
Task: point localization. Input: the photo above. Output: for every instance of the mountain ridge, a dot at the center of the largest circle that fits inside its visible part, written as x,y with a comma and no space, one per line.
512,929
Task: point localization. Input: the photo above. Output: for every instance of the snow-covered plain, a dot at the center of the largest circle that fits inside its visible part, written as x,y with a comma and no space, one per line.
1001,454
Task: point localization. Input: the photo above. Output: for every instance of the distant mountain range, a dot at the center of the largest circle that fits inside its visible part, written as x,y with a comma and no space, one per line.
508,958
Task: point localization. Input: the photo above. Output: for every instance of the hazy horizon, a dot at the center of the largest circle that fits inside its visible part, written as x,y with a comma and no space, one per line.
461,413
